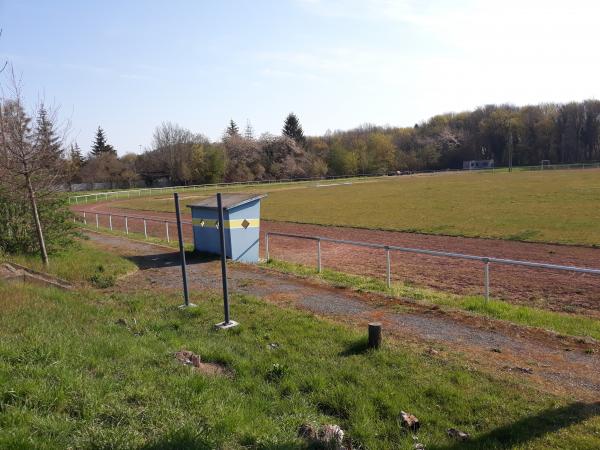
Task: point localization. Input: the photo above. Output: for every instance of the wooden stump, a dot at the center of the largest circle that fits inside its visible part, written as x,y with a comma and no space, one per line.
374,335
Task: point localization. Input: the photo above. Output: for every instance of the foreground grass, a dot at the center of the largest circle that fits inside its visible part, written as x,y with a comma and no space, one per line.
550,206
569,324
81,263
89,369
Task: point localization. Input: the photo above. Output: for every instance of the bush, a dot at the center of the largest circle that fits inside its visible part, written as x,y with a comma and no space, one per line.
17,230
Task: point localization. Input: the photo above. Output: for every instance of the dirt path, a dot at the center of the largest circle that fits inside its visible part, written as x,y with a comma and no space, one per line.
559,364
559,291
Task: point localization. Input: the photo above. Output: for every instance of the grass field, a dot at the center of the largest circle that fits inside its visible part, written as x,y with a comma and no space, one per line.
558,206
88,369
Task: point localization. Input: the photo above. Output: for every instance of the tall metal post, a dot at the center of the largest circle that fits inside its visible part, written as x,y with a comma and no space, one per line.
97,225
110,222
145,230
227,323
167,230
126,226
186,293
84,219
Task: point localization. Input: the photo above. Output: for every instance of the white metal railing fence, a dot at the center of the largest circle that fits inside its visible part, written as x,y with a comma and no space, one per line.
84,216
486,260
129,193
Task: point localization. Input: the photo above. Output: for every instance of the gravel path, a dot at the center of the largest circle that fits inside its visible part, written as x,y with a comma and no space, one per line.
558,291
559,364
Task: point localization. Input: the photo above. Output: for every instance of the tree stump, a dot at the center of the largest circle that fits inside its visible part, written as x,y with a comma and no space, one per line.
374,335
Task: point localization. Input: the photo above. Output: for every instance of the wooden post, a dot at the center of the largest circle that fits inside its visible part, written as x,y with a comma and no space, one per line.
374,335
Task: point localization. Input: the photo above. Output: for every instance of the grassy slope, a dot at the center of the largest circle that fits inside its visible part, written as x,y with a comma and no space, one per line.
83,263
70,376
557,206
568,324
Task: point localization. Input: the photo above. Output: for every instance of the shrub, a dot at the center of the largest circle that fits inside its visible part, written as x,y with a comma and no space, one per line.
17,230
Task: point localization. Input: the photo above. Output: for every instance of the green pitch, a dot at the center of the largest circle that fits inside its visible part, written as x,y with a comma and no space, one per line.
559,206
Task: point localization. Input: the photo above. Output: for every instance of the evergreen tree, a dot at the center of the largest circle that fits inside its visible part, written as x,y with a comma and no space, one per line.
45,136
293,129
232,130
75,163
249,132
75,156
100,145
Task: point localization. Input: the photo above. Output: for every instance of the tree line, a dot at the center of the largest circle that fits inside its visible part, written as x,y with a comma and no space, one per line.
560,133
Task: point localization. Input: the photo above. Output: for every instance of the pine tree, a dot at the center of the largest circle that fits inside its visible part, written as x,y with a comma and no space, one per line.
293,129
75,156
232,130
100,146
45,136
249,132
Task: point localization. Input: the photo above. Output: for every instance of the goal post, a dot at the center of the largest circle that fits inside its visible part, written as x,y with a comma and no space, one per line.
545,163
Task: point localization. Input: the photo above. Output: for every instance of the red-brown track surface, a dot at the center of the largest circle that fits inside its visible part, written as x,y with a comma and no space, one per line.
560,291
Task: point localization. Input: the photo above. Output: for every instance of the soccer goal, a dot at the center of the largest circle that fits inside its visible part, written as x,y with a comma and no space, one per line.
545,163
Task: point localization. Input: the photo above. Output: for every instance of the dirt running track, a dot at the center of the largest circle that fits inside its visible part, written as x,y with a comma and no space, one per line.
559,291
562,365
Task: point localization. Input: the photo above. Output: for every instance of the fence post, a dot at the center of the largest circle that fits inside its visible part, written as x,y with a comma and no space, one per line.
110,221
145,232
486,273
389,267
84,219
267,246
319,255
126,226
167,229
97,221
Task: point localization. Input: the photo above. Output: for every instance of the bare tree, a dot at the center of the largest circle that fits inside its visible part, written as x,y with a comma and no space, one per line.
29,155
173,145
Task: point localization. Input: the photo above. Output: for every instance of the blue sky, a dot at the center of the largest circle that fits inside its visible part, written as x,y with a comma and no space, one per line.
130,65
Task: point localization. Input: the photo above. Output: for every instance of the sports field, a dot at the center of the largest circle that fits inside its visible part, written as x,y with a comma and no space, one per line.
560,206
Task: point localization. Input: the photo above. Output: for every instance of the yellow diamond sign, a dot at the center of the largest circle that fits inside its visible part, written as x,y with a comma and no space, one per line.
245,224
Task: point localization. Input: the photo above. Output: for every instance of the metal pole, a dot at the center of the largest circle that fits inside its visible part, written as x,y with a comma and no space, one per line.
389,267
186,294
126,226
319,255
110,221
486,273
84,219
226,322
267,246
97,225
145,231
167,230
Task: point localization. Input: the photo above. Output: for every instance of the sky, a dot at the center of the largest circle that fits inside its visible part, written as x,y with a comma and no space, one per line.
129,65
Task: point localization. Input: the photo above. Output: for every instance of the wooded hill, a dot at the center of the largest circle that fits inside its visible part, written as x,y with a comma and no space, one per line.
560,133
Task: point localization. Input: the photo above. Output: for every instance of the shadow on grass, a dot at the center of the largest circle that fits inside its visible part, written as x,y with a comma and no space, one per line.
357,347
170,259
530,428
